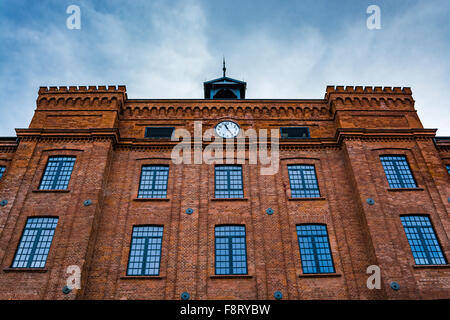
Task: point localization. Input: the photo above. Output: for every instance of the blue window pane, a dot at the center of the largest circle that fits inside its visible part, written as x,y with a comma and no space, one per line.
2,171
398,172
57,173
153,182
422,240
231,252
303,181
315,251
35,243
448,168
229,182
145,251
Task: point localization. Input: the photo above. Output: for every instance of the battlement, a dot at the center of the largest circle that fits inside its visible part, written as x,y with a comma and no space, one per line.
83,89
81,96
370,90
370,97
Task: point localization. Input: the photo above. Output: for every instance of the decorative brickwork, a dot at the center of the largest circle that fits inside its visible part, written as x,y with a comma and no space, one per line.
105,131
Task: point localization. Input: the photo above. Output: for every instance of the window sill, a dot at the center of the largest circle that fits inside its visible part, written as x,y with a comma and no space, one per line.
52,191
142,277
35,270
306,199
151,199
319,275
431,266
231,276
229,199
404,189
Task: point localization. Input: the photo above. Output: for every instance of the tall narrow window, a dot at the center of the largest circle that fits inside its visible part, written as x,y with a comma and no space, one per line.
153,182
2,171
231,252
422,240
57,173
229,182
35,243
398,172
315,251
145,251
303,181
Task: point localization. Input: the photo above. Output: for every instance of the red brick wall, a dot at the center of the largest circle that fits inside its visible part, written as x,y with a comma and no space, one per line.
350,129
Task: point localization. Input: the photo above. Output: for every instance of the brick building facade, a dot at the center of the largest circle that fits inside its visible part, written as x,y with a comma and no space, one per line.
98,136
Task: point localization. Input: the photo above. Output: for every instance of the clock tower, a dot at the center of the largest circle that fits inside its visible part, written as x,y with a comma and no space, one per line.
224,88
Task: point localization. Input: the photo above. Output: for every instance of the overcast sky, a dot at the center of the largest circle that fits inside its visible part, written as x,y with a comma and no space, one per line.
282,49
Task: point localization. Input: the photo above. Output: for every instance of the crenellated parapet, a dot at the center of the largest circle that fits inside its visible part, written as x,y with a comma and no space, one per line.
369,97
101,107
80,107
372,107
82,96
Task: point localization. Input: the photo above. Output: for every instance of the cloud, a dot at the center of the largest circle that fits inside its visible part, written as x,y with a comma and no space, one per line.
162,50
408,51
169,61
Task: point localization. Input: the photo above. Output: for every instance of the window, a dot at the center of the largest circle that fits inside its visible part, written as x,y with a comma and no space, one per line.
294,133
447,166
303,181
229,182
226,94
398,172
422,240
2,171
153,182
159,132
315,250
145,251
57,173
35,243
231,252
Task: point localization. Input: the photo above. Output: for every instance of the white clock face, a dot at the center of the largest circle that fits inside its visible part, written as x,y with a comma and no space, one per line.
227,129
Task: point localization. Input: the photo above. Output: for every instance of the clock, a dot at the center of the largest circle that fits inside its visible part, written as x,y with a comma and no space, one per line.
227,129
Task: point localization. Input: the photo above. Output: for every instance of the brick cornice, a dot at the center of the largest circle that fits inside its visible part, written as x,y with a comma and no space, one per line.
383,134
143,144
8,144
68,134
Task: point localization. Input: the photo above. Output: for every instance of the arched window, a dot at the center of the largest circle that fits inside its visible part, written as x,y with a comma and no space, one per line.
315,251
145,251
225,94
303,181
422,240
231,252
57,173
398,172
2,171
153,183
35,243
228,181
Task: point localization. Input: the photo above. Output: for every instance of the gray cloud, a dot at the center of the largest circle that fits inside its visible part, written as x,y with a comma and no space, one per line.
175,54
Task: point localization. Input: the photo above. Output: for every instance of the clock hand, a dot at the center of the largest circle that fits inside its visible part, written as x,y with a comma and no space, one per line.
228,129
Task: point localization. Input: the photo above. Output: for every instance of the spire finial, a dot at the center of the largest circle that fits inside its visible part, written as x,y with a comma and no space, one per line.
224,68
